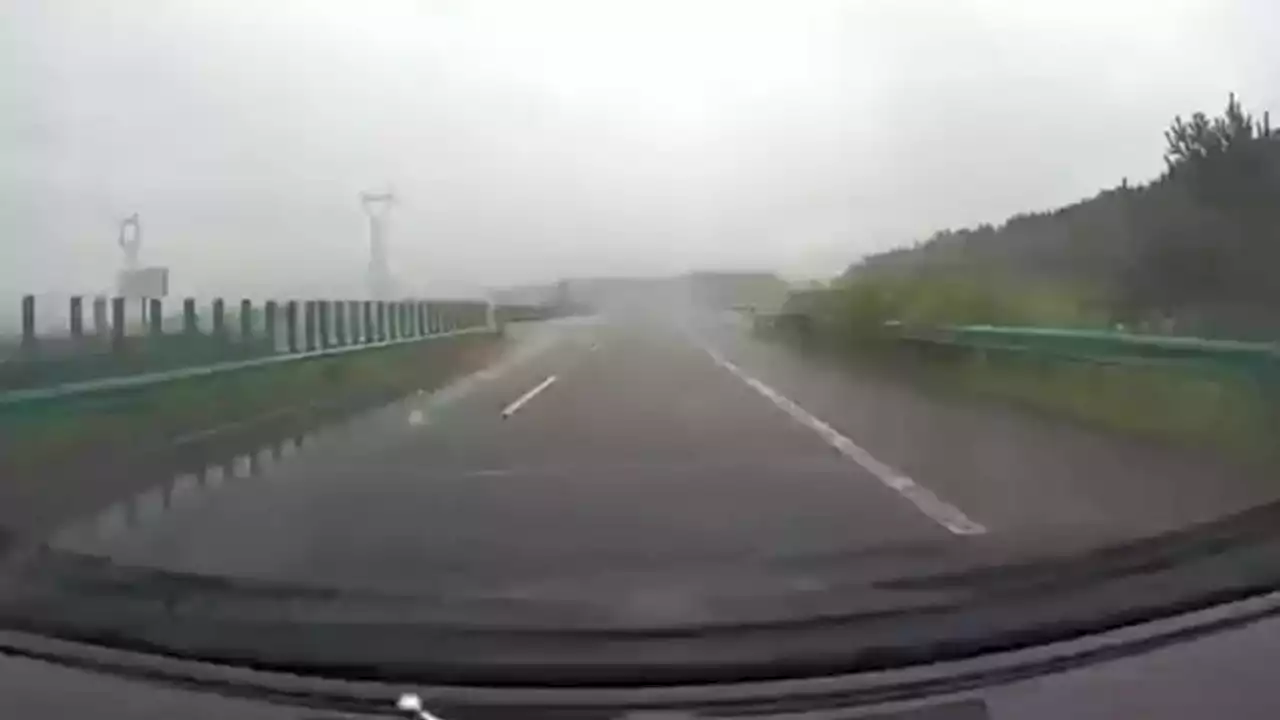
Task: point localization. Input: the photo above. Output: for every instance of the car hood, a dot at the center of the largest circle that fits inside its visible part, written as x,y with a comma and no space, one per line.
763,617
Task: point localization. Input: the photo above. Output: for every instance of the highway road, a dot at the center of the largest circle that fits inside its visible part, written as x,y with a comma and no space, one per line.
601,447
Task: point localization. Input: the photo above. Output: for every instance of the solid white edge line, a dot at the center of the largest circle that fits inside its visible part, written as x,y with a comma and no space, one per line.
934,507
510,410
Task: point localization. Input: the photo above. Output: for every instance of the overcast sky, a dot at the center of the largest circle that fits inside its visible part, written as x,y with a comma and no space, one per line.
531,140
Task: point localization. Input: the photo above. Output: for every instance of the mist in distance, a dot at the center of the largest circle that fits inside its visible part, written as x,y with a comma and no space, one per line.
534,141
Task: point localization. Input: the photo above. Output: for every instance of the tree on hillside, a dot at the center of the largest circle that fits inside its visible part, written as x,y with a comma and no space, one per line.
1202,138
1210,228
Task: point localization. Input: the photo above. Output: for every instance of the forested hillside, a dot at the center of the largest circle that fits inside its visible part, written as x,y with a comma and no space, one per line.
1195,250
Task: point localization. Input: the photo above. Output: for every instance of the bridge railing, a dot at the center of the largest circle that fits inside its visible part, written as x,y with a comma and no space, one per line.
111,338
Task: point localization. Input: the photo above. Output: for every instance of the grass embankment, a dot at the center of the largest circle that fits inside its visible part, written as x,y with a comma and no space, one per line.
35,435
1188,404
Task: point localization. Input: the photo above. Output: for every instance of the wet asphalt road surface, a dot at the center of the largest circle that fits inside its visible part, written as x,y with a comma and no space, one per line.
601,446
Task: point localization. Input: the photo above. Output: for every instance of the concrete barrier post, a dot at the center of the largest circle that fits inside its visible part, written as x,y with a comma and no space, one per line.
246,320
382,321
100,328
269,323
291,325
117,324
309,325
28,321
323,309
340,323
189,316
367,328
393,320
219,319
155,317
77,317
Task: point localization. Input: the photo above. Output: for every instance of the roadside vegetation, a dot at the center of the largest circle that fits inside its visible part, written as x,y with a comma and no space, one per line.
1192,253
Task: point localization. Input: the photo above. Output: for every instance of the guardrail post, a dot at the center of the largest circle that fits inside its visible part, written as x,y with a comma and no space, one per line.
246,320
323,309
353,311
433,318
393,320
155,317
367,330
117,324
219,318
309,325
77,317
291,325
189,317
340,323
420,318
28,321
402,314
100,328
382,321
269,323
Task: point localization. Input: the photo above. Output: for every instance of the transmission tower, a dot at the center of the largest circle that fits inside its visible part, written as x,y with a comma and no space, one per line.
377,206
130,240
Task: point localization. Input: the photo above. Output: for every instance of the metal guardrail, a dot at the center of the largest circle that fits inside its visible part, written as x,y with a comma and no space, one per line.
116,345
156,378
1102,346
1081,345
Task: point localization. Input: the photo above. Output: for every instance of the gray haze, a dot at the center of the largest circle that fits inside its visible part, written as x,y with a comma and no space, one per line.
532,140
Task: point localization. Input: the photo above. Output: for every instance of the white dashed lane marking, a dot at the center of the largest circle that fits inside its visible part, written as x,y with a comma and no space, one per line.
935,508
520,402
